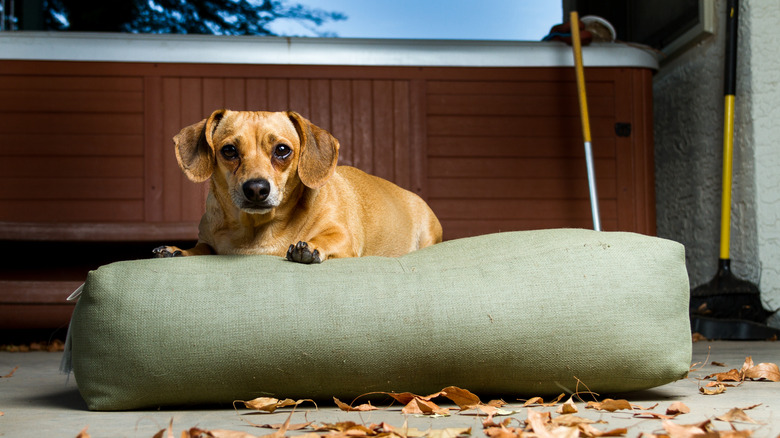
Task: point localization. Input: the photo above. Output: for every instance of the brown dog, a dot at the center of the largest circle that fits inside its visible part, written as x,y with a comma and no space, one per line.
275,189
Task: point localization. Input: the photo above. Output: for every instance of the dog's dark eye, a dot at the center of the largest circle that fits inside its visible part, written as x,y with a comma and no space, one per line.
282,151
229,151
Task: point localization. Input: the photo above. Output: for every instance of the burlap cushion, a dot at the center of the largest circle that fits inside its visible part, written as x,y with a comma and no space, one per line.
515,314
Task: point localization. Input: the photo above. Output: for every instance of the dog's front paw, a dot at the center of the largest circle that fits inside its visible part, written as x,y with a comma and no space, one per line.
301,253
162,252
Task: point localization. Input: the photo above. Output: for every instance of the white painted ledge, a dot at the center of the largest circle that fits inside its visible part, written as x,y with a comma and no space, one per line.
66,46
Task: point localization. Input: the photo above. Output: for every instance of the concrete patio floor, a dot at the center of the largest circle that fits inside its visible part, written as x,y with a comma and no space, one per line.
36,400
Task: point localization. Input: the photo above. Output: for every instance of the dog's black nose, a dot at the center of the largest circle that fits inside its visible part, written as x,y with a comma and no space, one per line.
256,190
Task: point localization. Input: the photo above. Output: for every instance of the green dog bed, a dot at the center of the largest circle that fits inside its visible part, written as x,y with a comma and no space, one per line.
514,314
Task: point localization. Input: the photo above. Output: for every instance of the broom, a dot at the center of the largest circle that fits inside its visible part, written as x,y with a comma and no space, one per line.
577,47
726,296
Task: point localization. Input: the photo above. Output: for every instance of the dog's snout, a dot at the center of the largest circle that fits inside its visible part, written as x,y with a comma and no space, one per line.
256,190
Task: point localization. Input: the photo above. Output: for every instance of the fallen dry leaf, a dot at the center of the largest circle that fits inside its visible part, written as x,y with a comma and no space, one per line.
278,426
463,398
736,415
702,429
360,408
450,432
718,364
567,407
589,431
677,408
349,428
763,371
732,375
11,373
216,433
419,406
83,433
717,389
489,423
610,405
570,420
504,432
538,401
269,404
497,403
685,431
538,422
167,432
405,397
654,415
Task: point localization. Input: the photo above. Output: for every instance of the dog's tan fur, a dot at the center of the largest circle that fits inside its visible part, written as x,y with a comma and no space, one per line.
314,209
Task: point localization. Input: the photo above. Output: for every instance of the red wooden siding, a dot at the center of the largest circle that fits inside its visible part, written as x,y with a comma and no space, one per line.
86,151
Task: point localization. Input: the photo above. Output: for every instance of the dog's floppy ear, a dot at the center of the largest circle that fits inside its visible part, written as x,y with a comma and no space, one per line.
319,152
195,148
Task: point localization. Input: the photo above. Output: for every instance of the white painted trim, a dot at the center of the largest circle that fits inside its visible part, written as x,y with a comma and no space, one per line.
66,46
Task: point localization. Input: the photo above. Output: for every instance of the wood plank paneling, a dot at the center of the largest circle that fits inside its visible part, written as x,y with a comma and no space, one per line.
72,210
446,133
510,152
52,188
78,144
71,167
488,187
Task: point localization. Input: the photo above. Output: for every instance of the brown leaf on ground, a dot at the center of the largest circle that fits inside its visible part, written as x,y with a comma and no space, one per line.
715,390
405,397
570,420
504,432
567,407
269,404
732,375
654,415
587,430
677,408
346,427
763,371
420,406
538,401
216,433
697,337
718,364
278,426
736,415
702,429
450,432
685,431
463,398
538,422
360,408
489,423
610,405
9,375
167,432
83,433
497,403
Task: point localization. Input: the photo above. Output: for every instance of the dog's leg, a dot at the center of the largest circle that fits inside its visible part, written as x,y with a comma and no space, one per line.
174,251
331,243
301,253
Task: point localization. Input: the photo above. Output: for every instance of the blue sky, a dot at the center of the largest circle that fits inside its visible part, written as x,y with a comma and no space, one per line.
436,19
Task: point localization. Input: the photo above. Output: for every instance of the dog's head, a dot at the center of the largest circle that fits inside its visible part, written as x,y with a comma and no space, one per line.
257,158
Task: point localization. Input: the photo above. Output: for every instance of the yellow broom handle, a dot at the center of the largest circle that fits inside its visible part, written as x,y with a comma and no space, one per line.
728,158
575,33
